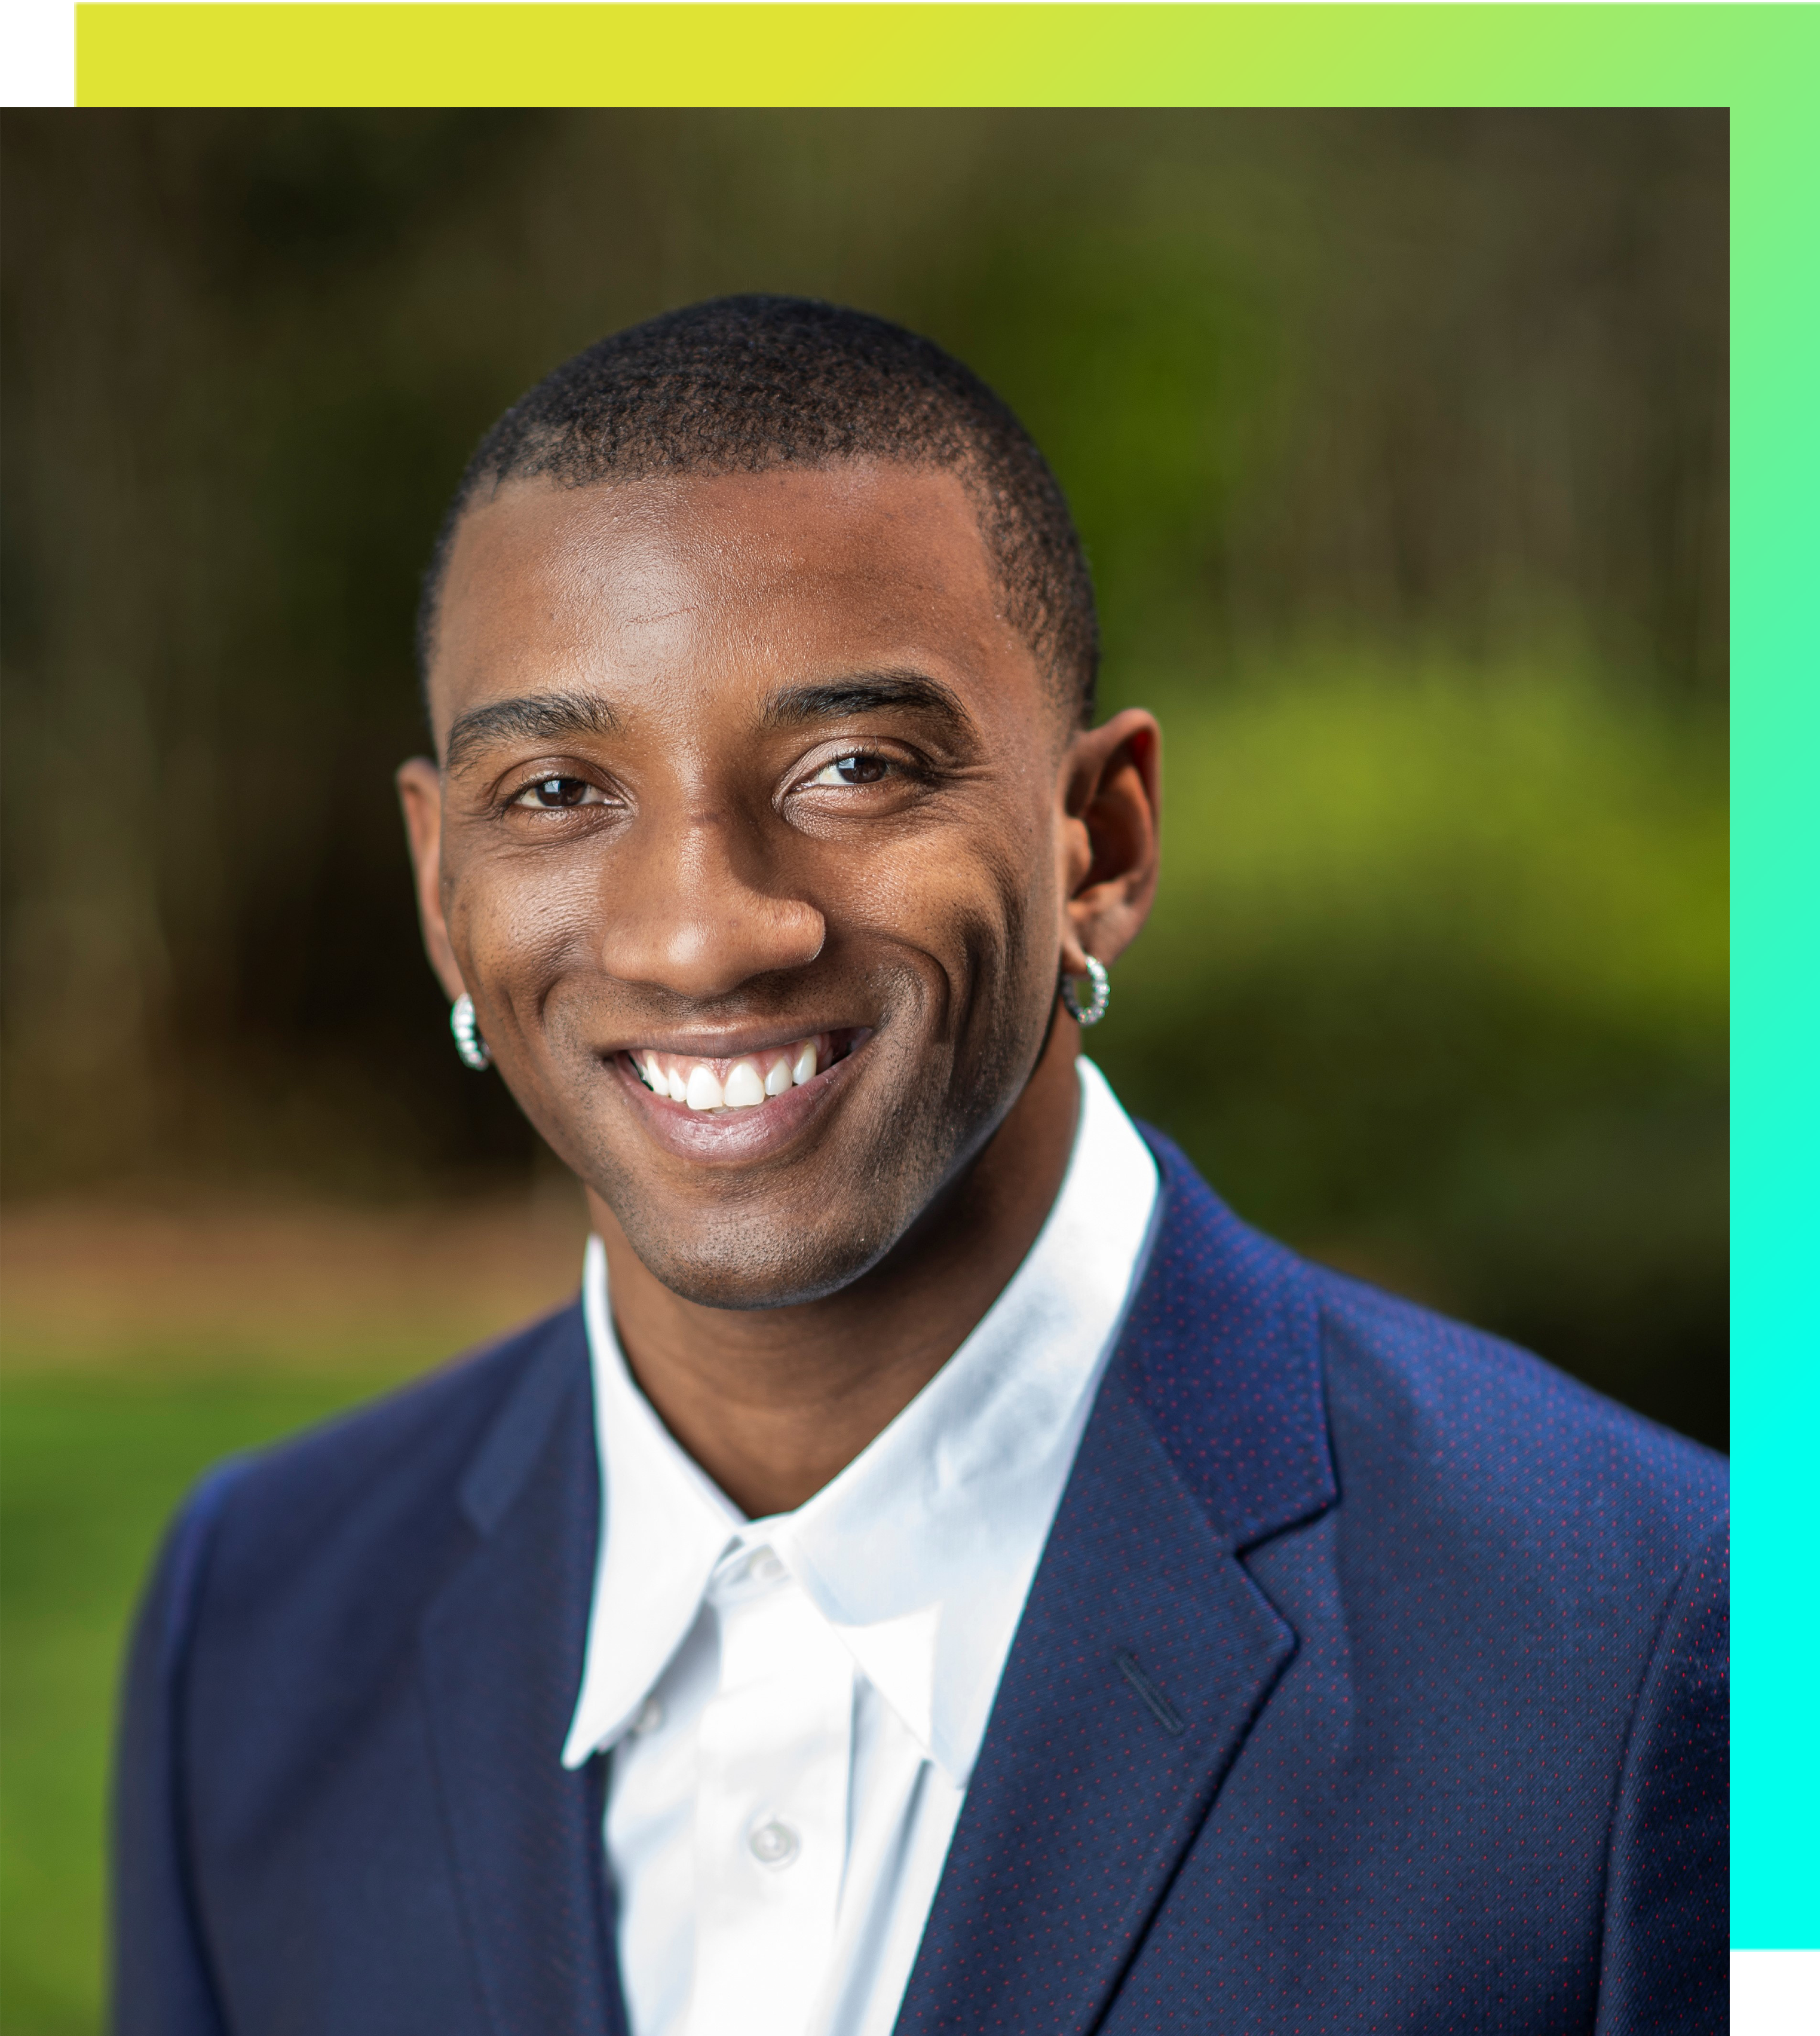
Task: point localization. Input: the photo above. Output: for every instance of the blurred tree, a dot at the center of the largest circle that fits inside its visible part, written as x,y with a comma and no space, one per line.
1398,441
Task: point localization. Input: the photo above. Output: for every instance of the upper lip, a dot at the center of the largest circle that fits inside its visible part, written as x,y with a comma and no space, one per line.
733,1046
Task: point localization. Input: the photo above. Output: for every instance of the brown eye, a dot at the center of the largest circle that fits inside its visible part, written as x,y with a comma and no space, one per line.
550,793
851,770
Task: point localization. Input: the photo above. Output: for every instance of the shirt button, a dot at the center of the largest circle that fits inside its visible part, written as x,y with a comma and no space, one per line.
651,1715
773,1844
766,1567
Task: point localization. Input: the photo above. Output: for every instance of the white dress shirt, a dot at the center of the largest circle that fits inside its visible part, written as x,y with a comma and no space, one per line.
794,1705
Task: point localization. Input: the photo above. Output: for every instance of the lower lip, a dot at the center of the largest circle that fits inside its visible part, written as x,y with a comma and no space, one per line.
738,1135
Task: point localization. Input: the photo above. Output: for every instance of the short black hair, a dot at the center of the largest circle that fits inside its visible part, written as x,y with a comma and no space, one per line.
742,384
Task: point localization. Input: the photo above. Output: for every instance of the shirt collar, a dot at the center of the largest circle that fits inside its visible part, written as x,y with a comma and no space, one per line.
890,1550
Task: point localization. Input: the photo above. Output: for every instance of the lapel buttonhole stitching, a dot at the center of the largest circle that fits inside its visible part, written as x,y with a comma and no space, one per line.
1153,1701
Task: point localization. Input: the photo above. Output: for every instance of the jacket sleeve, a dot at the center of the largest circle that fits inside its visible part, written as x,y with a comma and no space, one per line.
161,1984
1667,1908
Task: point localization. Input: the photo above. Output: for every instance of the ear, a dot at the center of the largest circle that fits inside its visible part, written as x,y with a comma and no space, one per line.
420,794
1110,792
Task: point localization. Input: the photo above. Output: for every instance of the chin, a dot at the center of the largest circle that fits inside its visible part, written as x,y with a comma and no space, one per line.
742,1261
779,1242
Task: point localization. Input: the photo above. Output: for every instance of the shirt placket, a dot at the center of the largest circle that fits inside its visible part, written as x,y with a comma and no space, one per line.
775,1749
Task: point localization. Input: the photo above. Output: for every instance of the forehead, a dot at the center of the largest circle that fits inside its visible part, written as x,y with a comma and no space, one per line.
660,591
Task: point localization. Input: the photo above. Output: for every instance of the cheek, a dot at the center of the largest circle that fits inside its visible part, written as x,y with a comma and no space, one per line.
517,926
969,893
989,916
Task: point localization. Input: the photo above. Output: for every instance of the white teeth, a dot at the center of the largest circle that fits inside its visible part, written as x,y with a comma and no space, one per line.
704,1092
744,1087
749,1082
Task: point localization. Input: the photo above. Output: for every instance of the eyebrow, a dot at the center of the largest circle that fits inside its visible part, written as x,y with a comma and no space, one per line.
864,693
536,717
550,717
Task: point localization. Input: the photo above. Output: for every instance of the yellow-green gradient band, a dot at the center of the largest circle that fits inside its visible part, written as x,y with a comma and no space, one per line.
1133,53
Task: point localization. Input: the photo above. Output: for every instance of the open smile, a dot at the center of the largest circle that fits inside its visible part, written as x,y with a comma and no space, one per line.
737,1105
746,1082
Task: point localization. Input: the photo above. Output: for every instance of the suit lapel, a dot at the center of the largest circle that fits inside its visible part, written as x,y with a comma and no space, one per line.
1145,1652
501,1652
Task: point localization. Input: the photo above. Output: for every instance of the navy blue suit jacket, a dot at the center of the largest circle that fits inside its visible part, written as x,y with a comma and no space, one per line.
1373,1680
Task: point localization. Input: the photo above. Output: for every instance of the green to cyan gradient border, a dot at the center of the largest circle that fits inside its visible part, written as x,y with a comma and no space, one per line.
1761,61
1776,983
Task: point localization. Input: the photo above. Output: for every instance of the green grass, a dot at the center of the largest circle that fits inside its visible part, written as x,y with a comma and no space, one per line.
90,1469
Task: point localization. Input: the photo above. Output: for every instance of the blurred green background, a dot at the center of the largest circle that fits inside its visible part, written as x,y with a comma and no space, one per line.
1398,442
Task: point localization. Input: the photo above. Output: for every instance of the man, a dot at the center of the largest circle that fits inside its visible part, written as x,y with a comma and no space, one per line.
946,1572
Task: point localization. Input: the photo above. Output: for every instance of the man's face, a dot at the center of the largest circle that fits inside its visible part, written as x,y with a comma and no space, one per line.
749,797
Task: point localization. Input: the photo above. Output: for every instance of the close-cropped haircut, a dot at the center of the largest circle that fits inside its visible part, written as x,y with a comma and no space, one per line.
744,384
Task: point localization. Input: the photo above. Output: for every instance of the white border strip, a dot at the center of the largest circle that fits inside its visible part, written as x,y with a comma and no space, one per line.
38,53
1775,1994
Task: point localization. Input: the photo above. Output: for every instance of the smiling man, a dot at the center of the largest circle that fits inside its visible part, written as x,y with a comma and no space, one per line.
945,1572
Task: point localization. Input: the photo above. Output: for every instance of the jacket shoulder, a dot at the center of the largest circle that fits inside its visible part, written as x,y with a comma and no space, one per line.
1455,1406
390,1472
1278,1386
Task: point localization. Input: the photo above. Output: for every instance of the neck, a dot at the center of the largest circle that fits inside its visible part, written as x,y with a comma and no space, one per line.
774,1402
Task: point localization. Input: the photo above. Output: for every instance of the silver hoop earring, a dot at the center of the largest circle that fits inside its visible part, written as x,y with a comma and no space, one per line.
469,1043
1095,1009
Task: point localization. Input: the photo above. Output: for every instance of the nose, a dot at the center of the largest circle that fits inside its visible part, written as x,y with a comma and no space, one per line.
705,908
